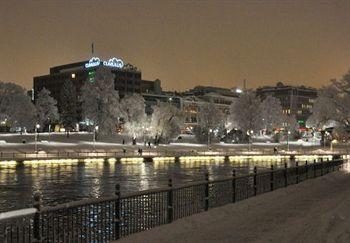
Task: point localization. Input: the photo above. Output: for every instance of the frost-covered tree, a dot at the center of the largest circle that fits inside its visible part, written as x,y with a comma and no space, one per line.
290,123
211,120
16,108
133,113
245,114
69,105
46,107
271,113
166,122
100,102
338,93
323,112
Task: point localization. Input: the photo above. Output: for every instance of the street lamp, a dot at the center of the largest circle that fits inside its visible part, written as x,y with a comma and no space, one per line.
37,126
94,136
209,135
288,133
250,134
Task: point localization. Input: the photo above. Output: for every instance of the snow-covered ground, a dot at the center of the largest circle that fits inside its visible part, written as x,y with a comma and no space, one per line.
76,142
317,210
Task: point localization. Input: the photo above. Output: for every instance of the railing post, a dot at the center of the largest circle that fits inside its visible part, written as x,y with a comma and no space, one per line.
307,170
117,213
255,180
233,185
170,200
327,165
285,175
206,207
322,165
315,168
271,179
37,218
297,172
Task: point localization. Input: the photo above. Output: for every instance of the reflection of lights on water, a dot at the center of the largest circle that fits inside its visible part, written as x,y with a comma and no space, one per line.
131,160
112,160
201,158
312,157
94,160
51,162
164,159
257,158
8,164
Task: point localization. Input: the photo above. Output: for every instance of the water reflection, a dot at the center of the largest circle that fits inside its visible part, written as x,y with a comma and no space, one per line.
67,180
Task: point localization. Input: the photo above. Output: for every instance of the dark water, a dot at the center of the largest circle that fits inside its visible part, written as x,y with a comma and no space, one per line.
69,181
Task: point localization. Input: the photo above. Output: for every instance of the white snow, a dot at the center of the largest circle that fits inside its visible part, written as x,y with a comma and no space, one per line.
317,210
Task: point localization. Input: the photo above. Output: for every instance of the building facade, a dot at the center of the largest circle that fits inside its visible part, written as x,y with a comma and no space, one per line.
128,78
295,100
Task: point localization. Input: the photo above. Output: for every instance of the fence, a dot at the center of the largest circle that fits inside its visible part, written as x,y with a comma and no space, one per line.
106,219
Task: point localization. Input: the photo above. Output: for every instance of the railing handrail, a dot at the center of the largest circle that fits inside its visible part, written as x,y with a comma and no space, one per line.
79,203
17,214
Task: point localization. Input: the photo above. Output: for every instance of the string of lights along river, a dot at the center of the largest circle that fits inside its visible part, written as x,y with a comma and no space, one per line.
70,180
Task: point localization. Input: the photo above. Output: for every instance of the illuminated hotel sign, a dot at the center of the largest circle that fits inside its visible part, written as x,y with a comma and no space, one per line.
113,62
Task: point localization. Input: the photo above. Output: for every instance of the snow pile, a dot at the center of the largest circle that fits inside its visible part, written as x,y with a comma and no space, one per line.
316,210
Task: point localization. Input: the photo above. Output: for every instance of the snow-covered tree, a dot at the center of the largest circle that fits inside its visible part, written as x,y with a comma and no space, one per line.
46,107
290,123
100,102
338,93
271,113
69,105
323,112
245,114
211,120
166,122
133,113
16,108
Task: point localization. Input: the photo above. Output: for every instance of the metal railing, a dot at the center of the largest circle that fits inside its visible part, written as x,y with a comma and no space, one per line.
107,219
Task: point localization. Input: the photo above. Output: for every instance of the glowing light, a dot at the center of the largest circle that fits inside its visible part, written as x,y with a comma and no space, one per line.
112,160
94,160
112,62
131,160
164,159
93,62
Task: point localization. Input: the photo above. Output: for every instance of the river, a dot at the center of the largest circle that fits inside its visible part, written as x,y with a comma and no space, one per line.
64,181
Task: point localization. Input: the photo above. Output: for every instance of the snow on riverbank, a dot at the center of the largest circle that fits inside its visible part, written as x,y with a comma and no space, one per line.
317,210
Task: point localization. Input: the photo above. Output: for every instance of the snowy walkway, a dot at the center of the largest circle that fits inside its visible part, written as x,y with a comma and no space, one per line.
317,210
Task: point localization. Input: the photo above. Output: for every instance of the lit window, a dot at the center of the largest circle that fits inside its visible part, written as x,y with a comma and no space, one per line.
73,75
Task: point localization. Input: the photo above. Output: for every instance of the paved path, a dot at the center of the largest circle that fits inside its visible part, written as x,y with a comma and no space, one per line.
316,210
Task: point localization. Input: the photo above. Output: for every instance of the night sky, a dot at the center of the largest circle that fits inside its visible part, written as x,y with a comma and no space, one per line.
183,43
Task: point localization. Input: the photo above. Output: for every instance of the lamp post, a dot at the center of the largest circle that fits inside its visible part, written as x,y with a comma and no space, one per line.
250,134
209,135
288,133
37,126
94,137
49,132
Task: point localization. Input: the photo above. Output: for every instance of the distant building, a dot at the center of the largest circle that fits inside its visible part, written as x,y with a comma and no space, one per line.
128,78
193,99
295,100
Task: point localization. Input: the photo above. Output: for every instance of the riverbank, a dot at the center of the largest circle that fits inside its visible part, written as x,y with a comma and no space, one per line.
80,146
316,210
